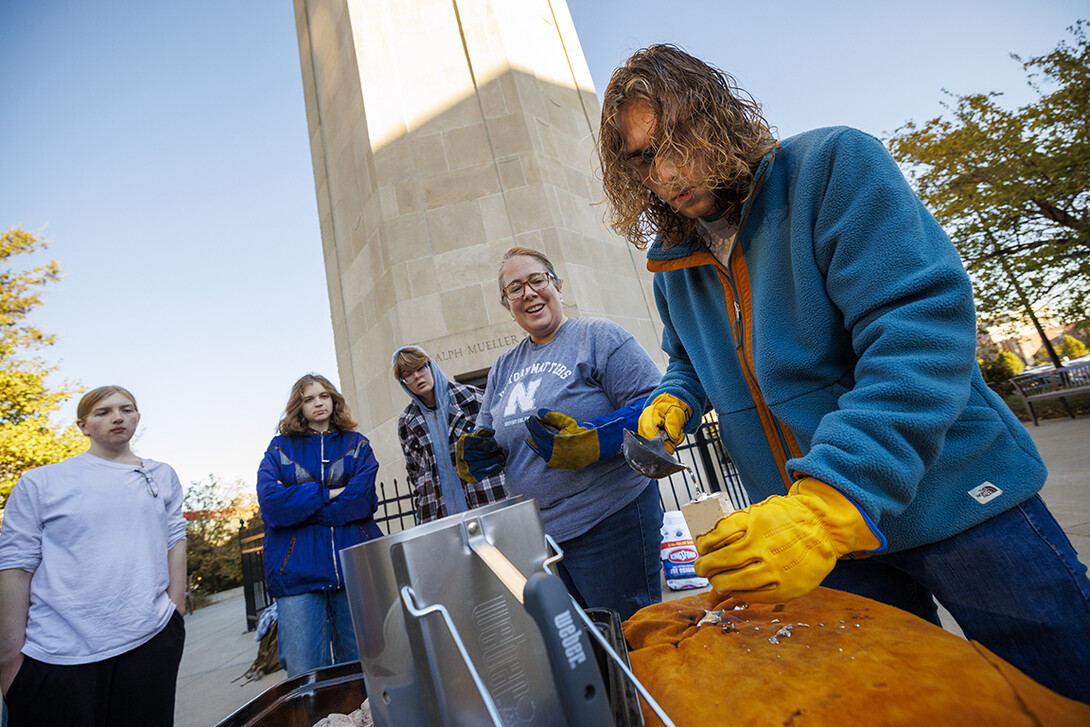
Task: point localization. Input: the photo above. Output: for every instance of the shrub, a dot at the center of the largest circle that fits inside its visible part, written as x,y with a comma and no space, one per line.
214,512
1001,368
1072,347
212,556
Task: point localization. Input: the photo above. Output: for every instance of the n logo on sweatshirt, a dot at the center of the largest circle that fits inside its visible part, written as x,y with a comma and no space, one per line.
521,398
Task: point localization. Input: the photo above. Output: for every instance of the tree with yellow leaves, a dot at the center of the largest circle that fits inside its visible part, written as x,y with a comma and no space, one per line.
28,438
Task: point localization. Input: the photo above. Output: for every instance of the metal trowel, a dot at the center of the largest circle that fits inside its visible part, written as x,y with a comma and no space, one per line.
649,456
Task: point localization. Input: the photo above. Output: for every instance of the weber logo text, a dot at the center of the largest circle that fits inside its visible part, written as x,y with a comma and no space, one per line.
569,636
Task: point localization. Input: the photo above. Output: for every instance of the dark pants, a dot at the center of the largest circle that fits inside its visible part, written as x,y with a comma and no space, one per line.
616,564
129,690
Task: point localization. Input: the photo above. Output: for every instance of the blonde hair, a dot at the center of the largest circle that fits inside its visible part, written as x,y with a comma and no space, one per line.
700,114
94,396
409,359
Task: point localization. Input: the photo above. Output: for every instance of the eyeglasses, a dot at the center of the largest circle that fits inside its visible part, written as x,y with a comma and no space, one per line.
153,489
536,282
414,374
641,161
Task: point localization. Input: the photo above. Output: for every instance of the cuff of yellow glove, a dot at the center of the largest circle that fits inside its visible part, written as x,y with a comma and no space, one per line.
860,533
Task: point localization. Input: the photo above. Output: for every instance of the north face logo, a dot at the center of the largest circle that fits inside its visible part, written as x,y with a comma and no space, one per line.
521,398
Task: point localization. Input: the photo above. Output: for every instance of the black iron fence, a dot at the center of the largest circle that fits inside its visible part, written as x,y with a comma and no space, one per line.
396,511
710,470
251,544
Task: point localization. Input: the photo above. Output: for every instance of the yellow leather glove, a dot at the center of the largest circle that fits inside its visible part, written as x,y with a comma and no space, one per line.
561,441
783,547
665,413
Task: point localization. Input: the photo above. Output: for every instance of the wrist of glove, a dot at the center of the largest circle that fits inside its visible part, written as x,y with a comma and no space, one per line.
478,455
783,547
666,413
567,444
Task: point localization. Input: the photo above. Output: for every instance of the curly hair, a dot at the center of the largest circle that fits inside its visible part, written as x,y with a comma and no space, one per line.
294,424
700,114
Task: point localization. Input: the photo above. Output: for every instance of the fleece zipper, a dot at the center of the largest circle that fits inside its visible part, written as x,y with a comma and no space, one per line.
786,448
781,442
332,532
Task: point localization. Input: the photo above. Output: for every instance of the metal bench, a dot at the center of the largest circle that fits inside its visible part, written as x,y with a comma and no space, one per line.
1071,380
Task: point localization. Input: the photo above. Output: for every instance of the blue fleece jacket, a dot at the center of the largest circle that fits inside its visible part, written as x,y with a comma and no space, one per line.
840,343
304,528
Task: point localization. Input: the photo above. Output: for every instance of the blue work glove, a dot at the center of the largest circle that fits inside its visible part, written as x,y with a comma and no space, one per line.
566,444
478,455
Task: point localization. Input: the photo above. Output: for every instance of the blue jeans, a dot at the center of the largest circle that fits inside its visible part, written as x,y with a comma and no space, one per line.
1013,583
313,630
616,563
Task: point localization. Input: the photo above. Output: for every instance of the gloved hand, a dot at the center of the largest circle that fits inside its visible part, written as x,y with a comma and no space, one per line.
570,445
666,413
783,547
478,455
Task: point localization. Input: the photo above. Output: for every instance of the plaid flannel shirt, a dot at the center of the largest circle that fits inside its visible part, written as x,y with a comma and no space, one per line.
421,463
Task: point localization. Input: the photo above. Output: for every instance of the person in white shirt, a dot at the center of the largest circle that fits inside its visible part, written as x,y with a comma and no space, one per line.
92,581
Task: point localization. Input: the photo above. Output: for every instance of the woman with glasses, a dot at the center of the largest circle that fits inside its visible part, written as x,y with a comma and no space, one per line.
92,581
316,487
440,411
554,411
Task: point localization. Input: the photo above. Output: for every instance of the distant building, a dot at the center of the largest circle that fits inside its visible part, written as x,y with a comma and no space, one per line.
1022,339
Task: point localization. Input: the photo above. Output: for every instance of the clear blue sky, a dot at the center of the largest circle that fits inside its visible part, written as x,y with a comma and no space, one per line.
162,148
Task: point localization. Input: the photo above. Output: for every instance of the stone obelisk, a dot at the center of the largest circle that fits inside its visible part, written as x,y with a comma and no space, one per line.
444,132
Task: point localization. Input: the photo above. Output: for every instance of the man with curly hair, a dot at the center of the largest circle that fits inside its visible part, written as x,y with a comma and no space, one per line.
810,299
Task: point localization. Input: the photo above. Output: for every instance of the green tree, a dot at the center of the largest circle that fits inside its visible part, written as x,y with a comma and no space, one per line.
1073,347
214,511
27,436
1012,188
1083,329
